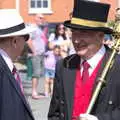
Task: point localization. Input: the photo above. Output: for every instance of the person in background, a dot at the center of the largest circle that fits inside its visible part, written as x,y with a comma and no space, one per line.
69,43
37,44
29,63
108,40
51,57
60,38
26,59
78,75
13,35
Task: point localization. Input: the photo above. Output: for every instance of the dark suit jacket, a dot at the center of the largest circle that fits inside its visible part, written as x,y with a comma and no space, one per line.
13,105
107,106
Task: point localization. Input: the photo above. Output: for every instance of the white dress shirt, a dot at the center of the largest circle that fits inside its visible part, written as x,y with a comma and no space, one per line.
7,59
93,62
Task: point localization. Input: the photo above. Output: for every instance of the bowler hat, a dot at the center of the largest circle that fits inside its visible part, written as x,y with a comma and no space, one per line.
12,24
89,15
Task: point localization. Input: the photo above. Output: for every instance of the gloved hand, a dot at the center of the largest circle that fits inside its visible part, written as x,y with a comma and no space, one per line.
87,117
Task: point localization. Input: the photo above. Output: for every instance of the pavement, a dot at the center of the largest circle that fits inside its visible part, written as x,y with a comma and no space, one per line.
39,107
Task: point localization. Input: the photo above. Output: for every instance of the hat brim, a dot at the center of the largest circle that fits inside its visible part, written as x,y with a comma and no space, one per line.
25,31
81,27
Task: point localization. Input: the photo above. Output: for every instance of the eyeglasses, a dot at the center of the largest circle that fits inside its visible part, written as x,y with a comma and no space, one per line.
26,37
61,28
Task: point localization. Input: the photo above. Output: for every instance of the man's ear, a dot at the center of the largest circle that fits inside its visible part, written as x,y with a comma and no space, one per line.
14,42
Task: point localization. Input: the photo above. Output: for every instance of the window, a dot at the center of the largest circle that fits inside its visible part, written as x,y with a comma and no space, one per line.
94,0
40,6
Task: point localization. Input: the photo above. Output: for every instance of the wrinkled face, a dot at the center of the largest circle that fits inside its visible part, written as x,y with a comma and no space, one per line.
86,42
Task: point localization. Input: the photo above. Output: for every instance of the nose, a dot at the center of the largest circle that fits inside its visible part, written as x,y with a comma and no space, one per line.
76,41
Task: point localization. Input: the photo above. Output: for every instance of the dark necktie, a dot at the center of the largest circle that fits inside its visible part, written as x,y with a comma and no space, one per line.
85,73
17,77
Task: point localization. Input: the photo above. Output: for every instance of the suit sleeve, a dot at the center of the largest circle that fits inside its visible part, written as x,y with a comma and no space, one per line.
111,106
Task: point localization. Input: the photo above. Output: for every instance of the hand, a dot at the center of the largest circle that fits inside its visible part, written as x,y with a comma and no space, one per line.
87,117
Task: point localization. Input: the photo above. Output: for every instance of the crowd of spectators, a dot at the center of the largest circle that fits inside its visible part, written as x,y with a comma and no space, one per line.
49,43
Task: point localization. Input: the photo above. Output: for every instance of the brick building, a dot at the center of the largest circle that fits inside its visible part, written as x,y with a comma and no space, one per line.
54,10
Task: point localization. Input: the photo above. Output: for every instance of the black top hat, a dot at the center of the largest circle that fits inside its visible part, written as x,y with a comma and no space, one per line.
89,15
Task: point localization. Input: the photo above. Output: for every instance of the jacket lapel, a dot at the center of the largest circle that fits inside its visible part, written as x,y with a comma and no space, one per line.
102,66
15,85
69,77
19,92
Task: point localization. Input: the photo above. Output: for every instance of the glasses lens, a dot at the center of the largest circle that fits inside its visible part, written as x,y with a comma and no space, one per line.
61,28
26,37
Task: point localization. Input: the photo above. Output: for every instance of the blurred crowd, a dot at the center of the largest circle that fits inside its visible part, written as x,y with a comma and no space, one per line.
44,48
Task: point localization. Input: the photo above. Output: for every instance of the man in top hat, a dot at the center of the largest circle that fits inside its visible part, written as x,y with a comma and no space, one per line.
77,75
13,35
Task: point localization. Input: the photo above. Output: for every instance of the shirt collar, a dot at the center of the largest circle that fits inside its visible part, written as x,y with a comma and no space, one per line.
97,57
7,59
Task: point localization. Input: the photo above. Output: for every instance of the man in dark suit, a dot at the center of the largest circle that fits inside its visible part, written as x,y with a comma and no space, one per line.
13,34
77,75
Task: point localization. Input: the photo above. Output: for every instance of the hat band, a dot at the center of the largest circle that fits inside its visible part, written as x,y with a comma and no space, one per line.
88,23
12,29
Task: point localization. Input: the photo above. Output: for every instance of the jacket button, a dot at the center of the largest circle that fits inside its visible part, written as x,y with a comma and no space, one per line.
62,114
110,102
62,102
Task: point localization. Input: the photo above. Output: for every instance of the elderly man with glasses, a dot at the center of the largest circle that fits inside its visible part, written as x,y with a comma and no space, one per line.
13,35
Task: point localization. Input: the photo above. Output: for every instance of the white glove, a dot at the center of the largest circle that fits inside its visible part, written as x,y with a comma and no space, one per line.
87,117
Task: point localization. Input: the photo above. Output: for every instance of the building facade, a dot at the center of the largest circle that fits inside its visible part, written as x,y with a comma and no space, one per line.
54,10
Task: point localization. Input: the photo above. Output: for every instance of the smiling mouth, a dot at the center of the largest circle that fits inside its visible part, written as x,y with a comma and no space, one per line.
80,47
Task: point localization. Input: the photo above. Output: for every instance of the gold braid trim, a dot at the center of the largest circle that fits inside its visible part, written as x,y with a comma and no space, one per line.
88,23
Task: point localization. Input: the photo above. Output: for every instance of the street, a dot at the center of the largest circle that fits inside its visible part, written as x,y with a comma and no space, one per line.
39,107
